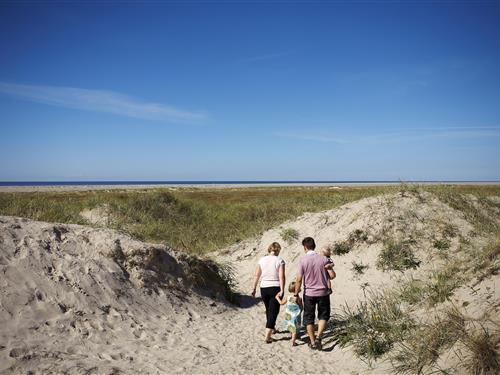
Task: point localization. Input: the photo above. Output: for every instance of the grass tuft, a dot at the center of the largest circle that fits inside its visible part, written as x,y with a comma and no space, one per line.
398,256
420,352
443,283
289,235
487,261
482,352
441,244
344,247
412,291
373,326
359,268
208,275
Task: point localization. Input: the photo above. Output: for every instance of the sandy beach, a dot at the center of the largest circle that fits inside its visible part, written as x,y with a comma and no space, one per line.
75,299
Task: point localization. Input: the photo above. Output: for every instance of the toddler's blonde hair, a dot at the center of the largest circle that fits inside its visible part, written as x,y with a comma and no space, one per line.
326,251
291,287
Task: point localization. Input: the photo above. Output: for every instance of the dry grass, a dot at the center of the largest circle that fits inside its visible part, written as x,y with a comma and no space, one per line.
359,268
373,326
344,247
194,220
397,256
289,235
476,345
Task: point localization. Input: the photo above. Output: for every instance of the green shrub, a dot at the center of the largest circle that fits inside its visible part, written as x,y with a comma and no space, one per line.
397,255
441,244
343,247
372,327
412,292
443,283
289,235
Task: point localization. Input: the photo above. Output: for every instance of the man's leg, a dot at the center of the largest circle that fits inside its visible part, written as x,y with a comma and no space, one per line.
310,333
323,314
321,328
309,315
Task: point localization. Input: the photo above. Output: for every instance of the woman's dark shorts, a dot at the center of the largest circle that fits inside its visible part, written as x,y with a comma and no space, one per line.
310,304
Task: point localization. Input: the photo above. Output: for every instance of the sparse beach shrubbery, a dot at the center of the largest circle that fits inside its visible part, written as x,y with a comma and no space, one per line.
373,326
194,220
289,235
397,256
344,247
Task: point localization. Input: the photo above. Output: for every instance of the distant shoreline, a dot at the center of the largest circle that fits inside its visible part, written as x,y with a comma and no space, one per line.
55,186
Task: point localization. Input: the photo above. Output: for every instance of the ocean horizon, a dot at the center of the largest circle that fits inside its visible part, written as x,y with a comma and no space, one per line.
232,182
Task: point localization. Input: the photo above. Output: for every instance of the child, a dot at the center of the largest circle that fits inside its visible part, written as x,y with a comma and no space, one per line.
293,310
327,252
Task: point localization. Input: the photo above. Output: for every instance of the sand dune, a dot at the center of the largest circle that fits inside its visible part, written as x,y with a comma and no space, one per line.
81,300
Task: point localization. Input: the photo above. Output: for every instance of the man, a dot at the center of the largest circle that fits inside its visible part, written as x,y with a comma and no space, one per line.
314,270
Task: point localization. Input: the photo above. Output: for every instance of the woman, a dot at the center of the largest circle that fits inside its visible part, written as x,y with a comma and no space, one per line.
272,270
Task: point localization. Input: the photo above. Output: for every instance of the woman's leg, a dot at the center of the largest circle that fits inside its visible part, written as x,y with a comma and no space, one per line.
274,309
266,298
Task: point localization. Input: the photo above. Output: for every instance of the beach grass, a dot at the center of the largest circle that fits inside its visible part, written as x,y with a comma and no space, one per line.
197,221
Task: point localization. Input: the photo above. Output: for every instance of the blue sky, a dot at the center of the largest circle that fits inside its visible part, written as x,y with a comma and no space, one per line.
250,91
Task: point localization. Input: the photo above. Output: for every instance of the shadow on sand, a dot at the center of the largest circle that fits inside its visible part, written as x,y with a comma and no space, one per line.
245,301
330,339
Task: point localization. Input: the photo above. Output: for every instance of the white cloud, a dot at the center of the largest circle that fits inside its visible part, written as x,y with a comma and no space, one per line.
99,101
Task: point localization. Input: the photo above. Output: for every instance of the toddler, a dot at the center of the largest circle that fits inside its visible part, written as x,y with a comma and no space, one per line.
293,311
327,252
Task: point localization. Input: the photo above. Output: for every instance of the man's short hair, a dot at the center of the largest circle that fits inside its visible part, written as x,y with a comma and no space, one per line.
309,243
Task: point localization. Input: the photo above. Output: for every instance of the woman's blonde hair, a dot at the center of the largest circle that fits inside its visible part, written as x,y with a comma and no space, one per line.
274,248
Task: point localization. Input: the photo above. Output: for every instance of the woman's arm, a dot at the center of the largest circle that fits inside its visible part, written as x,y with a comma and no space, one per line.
258,274
282,279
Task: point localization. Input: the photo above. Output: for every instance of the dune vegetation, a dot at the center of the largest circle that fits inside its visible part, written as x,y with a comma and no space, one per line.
202,220
430,255
194,220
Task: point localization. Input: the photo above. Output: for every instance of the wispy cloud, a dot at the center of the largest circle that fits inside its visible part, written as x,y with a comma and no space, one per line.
99,101
407,135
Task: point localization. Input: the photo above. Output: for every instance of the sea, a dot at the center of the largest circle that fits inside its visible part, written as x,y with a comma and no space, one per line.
229,182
